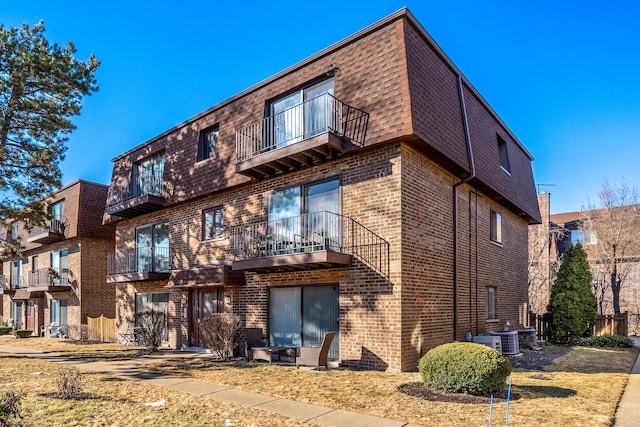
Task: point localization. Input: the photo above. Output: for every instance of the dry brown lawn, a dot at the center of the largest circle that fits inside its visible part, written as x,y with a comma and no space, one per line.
582,387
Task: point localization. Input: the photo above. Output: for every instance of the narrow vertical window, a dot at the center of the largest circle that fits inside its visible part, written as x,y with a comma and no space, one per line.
209,143
496,227
491,303
504,155
213,224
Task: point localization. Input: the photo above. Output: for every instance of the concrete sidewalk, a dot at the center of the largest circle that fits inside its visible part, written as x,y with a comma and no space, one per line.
628,413
133,369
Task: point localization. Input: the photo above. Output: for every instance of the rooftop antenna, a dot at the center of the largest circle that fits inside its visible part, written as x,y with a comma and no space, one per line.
544,185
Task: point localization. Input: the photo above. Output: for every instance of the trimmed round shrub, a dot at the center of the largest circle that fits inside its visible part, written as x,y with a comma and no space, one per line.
615,341
464,367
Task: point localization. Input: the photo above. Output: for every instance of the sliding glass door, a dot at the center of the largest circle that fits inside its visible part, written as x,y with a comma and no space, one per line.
300,316
302,114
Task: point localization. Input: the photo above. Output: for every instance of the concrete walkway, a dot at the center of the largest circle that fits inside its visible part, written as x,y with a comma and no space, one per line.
628,413
133,369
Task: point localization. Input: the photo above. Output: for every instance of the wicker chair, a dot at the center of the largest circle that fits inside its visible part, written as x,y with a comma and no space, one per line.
253,338
316,356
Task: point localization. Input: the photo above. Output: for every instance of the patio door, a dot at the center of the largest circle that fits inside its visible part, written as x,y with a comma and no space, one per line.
204,303
17,314
31,315
300,316
321,201
302,114
304,217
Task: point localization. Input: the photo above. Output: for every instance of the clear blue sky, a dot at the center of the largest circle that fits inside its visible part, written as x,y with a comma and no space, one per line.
561,74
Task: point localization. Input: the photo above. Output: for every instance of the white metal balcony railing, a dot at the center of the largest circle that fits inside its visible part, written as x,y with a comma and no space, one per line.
144,184
15,281
324,113
154,259
48,277
313,232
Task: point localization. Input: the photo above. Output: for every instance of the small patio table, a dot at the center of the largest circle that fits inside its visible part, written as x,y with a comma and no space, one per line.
274,352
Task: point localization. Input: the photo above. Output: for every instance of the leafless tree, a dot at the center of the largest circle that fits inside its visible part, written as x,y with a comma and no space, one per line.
611,238
543,263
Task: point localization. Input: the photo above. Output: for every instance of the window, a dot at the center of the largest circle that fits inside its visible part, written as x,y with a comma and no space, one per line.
303,114
12,232
155,301
15,280
147,176
586,237
57,210
34,263
60,265
209,143
152,246
59,311
213,224
496,227
491,303
504,155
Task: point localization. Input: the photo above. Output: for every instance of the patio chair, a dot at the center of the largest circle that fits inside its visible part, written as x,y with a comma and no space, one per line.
253,338
316,356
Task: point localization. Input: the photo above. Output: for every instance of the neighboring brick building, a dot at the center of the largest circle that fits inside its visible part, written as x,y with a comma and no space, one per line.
368,189
60,274
596,230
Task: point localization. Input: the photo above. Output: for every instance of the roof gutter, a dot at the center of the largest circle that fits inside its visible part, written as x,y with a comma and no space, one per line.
472,175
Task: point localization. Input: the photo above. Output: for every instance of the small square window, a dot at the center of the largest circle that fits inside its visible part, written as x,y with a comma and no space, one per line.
209,143
504,155
491,303
213,224
496,227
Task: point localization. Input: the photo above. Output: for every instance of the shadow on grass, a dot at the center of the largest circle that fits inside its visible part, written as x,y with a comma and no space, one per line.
541,391
421,391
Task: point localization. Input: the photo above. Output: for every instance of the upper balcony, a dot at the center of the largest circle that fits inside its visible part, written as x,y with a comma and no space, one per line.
144,193
49,280
53,231
314,240
138,264
311,132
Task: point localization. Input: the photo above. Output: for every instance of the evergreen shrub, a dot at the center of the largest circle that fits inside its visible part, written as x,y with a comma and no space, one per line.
464,367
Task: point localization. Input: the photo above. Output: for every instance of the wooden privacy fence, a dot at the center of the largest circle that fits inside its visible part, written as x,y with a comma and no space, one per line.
101,329
613,324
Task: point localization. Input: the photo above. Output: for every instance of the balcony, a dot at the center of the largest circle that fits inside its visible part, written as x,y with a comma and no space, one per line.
306,134
144,193
138,264
49,280
315,240
52,232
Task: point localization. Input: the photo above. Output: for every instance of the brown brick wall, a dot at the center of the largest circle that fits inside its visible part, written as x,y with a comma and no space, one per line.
372,77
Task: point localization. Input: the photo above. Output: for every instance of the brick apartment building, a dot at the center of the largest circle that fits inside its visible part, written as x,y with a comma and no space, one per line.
60,275
369,190
619,225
